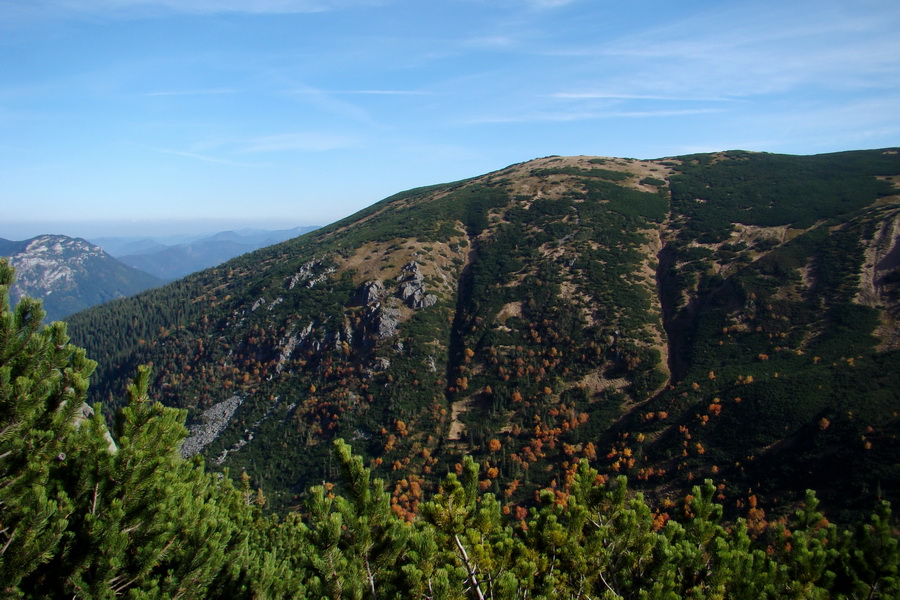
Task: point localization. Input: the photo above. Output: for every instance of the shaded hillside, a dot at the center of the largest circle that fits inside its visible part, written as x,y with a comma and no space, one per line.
727,315
70,274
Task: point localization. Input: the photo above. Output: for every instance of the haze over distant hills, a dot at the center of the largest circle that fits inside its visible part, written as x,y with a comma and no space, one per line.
72,274
173,258
730,316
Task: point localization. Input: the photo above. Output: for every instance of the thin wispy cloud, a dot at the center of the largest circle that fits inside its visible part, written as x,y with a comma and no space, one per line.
209,92
569,116
628,96
382,92
878,113
297,142
327,102
110,7
205,158
214,150
743,51
740,50
529,4
548,4
16,149
497,41
641,114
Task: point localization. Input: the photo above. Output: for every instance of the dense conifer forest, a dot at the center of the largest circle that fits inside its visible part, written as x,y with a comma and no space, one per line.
91,510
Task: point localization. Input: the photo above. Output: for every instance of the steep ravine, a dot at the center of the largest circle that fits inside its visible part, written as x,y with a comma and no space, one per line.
677,320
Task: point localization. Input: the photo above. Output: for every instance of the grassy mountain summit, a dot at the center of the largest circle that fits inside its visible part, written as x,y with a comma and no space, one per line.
728,315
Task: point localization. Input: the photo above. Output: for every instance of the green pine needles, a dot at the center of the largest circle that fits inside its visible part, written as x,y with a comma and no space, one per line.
81,517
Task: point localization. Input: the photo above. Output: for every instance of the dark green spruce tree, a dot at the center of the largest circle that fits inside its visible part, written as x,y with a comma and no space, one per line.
83,517
43,382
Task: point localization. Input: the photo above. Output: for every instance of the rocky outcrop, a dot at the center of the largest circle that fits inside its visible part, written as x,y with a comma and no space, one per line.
213,422
421,300
412,272
369,293
288,344
383,315
347,334
882,258
309,274
384,321
412,287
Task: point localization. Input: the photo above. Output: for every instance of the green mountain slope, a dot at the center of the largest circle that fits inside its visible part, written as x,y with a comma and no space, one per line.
728,315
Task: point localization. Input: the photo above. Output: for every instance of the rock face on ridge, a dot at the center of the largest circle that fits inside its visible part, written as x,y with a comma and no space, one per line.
412,287
370,292
384,314
704,316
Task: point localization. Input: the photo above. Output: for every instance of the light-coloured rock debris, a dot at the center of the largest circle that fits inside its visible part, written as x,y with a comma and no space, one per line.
213,422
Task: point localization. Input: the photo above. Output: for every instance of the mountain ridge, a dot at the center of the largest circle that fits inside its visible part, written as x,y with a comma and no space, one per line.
662,318
70,274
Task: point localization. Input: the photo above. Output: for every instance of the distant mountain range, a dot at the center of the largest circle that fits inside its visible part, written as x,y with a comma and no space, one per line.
171,261
70,274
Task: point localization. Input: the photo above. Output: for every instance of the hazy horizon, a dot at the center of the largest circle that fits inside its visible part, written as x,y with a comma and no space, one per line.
92,230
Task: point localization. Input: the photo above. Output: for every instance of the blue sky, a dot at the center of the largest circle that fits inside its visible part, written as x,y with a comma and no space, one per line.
153,116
